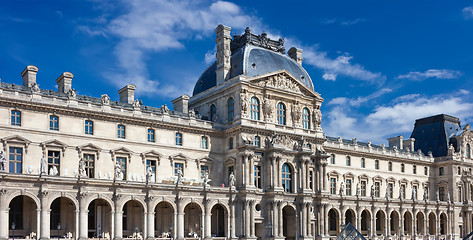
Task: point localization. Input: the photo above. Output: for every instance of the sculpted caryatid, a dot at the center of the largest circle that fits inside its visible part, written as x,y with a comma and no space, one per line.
149,174
296,113
82,172
372,190
3,162
243,102
317,116
118,172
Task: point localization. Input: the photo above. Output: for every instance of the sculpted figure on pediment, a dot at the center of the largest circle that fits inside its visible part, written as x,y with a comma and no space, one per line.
71,93
281,82
278,139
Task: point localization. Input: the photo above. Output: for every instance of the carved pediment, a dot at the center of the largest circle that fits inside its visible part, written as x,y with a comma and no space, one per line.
15,139
90,148
179,157
53,144
283,80
121,150
151,154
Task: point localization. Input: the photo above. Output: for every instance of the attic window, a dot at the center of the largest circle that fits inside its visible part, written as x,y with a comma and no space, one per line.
253,65
302,77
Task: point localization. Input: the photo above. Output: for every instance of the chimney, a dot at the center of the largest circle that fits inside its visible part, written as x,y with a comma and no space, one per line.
181,104
29,75
223,53
64,82
127,94
409,144
396,141
295,54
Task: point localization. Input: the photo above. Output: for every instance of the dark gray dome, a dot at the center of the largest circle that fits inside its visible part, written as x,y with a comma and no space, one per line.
253,61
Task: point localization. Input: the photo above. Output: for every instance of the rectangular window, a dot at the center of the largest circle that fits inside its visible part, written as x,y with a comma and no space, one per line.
363,188
15,118
333,186
230,143
53,161
89,161
459,194
203,170
391,189
15,160
89,127
459,171
178,166
332,158
257,141
54,123
348,187
403,167
377,186
258,176
151,137
414,169
311,180
363,163
441,193
440,171
426,170
121,131
122,162
376,164
179,139
204,142
348,163
151,164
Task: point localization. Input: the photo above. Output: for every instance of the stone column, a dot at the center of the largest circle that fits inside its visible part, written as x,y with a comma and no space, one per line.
426,224
252,218
247,218
278,168
358,220
180,220
112,223
275,219
388,221
45,216
273,174
401,223
326,223
232,219
145,223
150,219
245,170
251,170
38,222
324,177
208,219
118,221
76,227
4,210
280,216
303,221
174,226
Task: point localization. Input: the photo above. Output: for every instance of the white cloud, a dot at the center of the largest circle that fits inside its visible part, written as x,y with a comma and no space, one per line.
464,91
393,119
468,12
431,73
152,26
343,22
341,65
355,102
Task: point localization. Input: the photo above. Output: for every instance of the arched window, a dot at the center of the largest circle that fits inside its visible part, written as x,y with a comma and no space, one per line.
467,151
230,106
286,177
305,118
213,112
254,108
281,113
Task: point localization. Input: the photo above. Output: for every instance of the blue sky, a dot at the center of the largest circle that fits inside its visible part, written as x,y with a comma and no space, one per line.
379,65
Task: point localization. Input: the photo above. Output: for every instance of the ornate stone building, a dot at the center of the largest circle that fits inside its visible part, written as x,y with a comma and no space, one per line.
243,158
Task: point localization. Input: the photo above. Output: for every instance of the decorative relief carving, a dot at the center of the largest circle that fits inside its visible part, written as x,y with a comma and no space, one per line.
243,102
280,140
268,109
280,81
317,117
105,99
296,113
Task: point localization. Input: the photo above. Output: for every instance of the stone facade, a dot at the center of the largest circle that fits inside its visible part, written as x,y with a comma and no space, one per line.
244,159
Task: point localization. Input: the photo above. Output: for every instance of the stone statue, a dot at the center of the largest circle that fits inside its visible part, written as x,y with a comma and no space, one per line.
426,194
438,195
149,174
164,108
71,93
105,99
414,194
267,109
317,116
179,177
136,104
231,180
43,166
53,171
296,113
82,172
206,179
387,192
3,162
448,197
243,102
35,88
118,172
342,188
400,193
192,113
372,190
358,189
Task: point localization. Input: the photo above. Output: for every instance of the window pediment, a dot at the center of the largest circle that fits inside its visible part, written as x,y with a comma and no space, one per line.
88,148
15,139
151,154
390,180
230,161
363,177
53,144
377,178
121,151
179,157
333,174
403,181
348,175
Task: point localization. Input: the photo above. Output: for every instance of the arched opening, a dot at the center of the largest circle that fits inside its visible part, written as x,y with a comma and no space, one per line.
380,220
133,219
394,223
443,224
333,222
432,224
219,221
62,220
192,220
164,220
99,219
289,223
350,217
408,223
22,218
420,223
365,222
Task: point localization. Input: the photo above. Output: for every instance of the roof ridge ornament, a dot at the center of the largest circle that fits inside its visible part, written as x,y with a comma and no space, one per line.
257,40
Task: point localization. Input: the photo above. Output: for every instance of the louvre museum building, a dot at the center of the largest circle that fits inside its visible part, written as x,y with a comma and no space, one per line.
244,157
